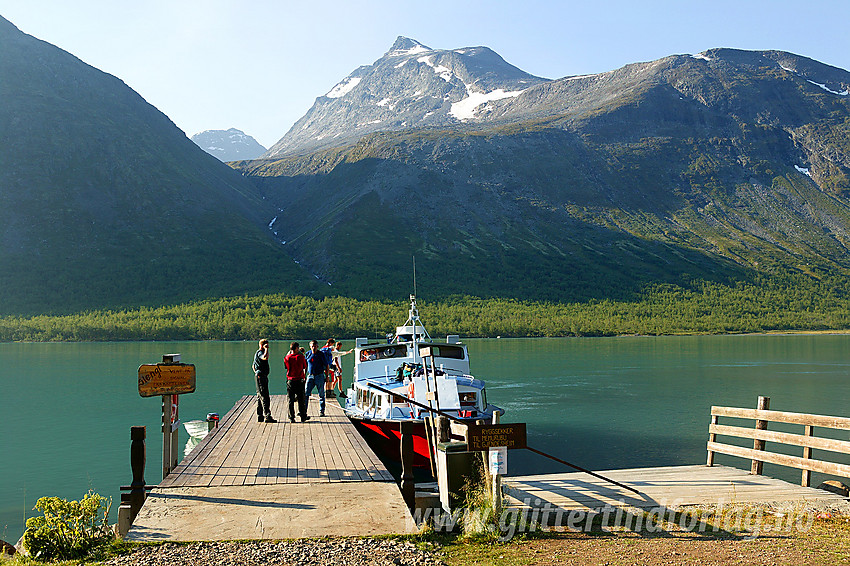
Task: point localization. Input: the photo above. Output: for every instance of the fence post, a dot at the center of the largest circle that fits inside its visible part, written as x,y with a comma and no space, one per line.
757,465
133,501
711,438
137,465
443,428
807,454
496,486
408,487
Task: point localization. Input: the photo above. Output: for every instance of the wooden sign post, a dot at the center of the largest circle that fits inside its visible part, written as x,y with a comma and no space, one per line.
168,379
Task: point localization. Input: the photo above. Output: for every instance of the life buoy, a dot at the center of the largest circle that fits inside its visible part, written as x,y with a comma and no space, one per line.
389,352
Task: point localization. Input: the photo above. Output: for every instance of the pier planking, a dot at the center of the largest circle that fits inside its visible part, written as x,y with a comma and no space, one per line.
244,452
666,486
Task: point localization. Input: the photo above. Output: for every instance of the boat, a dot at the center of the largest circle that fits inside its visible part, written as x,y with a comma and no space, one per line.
396,365
199,429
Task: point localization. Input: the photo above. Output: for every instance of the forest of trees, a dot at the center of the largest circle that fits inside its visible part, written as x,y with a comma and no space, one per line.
795,304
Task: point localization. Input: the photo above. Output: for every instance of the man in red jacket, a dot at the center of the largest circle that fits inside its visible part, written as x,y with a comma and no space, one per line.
295,381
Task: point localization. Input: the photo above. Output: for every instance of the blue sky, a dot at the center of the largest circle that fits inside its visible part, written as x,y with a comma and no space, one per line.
258,65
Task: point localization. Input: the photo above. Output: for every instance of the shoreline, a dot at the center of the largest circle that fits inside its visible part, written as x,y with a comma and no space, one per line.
832,332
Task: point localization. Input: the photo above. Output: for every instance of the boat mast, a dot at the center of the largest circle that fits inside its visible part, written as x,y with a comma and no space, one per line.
414,315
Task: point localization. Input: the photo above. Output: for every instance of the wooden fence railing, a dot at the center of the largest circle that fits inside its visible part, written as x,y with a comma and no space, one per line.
808,441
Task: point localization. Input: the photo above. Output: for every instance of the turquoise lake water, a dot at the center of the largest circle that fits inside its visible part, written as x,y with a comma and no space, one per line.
602,403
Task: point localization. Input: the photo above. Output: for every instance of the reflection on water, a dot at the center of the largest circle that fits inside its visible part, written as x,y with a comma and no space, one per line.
190,444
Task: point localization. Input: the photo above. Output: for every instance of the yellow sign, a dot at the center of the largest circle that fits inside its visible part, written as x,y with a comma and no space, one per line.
166,379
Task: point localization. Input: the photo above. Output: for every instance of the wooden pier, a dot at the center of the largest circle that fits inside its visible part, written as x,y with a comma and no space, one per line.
242,451
683,486
672,486
252,480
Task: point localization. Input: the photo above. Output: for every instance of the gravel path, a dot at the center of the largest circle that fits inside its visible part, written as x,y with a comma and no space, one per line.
307,552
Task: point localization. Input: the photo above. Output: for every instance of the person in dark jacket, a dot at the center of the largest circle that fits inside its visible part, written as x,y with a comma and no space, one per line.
317,364
261,372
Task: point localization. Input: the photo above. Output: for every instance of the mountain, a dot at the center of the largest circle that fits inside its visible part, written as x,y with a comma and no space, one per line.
104,202
411,87
229,145
727,165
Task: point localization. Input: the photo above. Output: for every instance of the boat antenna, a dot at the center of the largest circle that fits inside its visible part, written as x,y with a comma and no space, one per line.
414,275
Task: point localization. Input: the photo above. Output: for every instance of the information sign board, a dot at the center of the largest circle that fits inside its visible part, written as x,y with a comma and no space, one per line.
166,379
510,435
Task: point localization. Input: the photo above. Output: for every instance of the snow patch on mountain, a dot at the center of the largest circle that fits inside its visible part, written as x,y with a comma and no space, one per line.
444,72
466,108
344,87
827,89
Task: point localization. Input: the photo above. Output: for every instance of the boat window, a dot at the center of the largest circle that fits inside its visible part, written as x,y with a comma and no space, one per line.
443,351
468,398
383,352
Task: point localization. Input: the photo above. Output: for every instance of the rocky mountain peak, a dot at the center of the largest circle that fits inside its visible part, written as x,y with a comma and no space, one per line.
411,86
229,145
406,46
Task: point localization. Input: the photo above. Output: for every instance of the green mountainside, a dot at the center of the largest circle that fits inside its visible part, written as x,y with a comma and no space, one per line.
724,167
104,202
688,194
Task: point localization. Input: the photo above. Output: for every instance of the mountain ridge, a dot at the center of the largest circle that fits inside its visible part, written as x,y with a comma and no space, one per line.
105,202
726,167
410,86
719,165
228,145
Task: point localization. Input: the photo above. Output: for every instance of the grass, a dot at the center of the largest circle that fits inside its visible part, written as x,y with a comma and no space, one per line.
827,541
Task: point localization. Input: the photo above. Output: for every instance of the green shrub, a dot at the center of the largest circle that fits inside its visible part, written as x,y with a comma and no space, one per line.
68,529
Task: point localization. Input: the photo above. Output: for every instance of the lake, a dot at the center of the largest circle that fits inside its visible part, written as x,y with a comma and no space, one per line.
601,403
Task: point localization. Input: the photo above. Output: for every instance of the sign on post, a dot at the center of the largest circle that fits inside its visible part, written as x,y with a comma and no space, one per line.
166,379
498,460
486,436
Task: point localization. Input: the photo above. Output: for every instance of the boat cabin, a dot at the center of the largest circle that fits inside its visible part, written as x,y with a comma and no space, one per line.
383,360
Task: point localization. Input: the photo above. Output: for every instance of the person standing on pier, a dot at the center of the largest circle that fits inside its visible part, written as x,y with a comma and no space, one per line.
330,374
317,364
338,354
261,372
296,366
